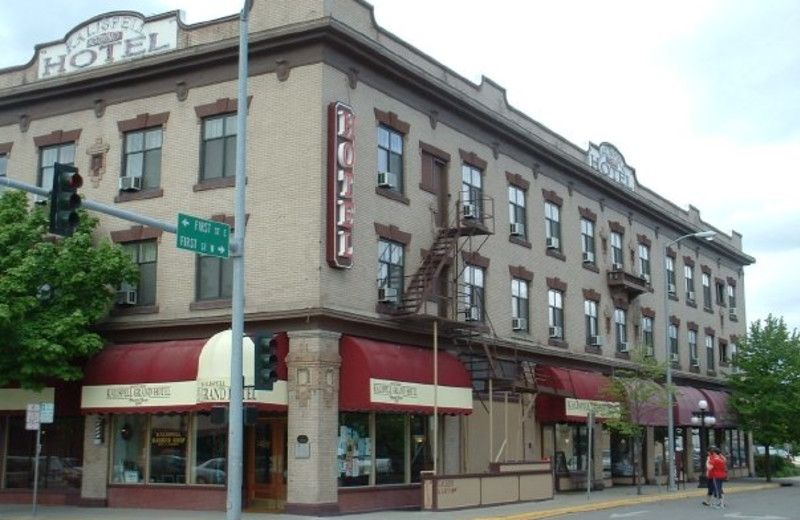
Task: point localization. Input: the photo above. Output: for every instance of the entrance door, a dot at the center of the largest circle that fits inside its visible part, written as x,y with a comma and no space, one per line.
266,464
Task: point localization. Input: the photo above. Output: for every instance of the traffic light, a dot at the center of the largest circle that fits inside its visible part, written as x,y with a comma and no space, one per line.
266,361
64,200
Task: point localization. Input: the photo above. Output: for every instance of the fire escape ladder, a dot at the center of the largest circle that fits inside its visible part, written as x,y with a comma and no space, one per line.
421,284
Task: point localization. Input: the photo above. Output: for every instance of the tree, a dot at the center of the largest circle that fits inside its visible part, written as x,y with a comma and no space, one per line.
52,291
638,392
766,383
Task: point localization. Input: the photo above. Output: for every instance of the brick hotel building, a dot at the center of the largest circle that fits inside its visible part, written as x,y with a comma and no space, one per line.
449,281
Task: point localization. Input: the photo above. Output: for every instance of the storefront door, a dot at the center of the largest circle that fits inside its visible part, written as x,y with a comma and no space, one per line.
265,464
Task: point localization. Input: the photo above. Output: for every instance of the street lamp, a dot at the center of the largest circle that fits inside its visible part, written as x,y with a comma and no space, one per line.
703,419
708,235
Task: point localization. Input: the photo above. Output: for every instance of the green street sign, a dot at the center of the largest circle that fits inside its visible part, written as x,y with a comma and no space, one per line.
206,237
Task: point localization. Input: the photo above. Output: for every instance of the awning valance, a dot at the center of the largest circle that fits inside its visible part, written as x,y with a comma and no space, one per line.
399,378
175,376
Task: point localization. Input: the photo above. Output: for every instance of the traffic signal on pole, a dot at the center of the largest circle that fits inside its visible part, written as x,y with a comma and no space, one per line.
266,361
64,200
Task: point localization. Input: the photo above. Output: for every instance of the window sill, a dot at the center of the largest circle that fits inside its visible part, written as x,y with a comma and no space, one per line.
150,193
210,304
557,342
622,355
591,267
520,241
391,194
555,253
213,184
134,309
589,349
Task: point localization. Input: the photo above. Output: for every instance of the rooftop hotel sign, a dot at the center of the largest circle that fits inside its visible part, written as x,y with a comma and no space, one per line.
108,39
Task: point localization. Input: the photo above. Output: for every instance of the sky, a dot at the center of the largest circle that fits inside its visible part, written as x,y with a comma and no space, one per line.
702,97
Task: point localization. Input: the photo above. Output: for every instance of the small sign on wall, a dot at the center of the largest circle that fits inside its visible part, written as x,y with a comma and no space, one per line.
302,449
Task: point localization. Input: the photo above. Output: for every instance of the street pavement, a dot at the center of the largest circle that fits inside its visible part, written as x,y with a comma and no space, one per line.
561,504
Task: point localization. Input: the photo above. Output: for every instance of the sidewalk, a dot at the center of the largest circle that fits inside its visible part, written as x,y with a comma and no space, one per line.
562,503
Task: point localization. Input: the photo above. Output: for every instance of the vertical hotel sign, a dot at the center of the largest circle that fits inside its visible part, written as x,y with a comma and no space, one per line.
341,170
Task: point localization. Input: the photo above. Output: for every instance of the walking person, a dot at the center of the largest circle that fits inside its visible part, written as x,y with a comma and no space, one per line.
709,480
718,474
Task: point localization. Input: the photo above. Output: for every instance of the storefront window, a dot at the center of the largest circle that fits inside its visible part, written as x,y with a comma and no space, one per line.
60,459
355,449
390,448
421,446
572,441
621,455
168,449
209,451
130,448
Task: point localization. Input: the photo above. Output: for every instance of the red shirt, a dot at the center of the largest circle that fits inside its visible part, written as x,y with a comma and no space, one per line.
718,467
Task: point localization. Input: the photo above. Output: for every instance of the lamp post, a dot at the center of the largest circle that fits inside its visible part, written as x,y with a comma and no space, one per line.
708,235
703,419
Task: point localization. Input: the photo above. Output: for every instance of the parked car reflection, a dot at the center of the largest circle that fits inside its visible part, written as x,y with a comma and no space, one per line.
211,471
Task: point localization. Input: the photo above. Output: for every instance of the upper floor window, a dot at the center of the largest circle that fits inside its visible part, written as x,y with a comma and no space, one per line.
724,352
474,293
214,278
706,280
647,336
671,280
390,266
143,156
694,356
720,292
592,326
588,241
621,327
516,211
219,147
709,352
471,192
145,255
390,158
732,297
556,313
617,256
645,270
552,225
688,273
48,156
519,303
673,342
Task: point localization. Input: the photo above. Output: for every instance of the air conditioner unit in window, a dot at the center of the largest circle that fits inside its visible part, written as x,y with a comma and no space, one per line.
732,312
469,210
624,347
646,278
519,323
588,257
517,229
695,362
552,243
556,332
472,314
674,357
387,294
690,295
130,183
126,296
671,288
616,266
386,180
595,341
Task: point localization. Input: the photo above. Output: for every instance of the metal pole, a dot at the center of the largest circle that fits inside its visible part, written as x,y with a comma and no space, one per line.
708,235
435,397
236,412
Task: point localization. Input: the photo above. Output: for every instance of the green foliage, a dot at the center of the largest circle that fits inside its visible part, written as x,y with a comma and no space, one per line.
766,386
779,467
52,291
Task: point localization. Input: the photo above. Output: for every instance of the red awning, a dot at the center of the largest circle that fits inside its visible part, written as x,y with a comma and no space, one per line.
399,378
653,411
686,400
718,405
558,385
174,376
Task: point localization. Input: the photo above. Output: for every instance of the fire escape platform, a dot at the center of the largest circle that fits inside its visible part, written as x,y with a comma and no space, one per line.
627,284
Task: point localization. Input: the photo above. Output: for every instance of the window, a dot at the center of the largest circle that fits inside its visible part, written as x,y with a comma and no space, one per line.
706,280
592,329
144,254
671,283
219,147
214,278
644,262
473,293
688,272
731,297
647,336
390,158
621,328
555,304
720,292
694,356
552,225
516,211
49,155
673,342
617,257
471,192
519,302
709,352
588,241
724,353
143,156
390,265
209,451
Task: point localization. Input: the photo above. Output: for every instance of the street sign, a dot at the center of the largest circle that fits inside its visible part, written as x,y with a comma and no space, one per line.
46,413
207,237
32,416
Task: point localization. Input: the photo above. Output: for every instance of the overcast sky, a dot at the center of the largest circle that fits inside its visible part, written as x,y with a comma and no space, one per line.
702,97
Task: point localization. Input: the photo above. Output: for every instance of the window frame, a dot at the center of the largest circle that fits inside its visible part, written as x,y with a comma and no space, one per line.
517,210
616,251
588,241
136,256
150,179
552,225
475,289
621,328
391,264
472,187
64,154
555,311
393,136
520,301
228,145
591,321
222,264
